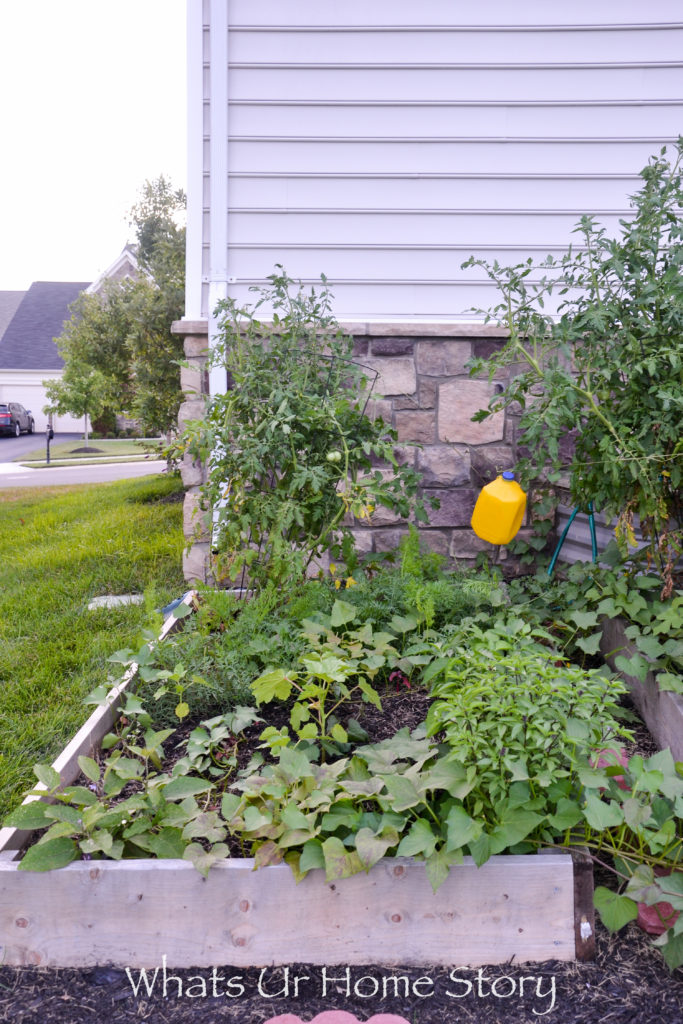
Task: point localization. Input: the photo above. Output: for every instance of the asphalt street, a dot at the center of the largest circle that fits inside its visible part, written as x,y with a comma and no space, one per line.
12,474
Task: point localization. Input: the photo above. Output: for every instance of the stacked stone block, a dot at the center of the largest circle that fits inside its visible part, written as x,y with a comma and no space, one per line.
195,387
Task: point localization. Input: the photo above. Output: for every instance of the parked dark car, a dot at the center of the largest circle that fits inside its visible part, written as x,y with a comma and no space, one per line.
14,419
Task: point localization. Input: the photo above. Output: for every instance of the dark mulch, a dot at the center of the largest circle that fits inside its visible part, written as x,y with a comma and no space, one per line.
627,983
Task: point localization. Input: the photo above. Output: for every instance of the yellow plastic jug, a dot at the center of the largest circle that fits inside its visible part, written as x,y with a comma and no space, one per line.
499,510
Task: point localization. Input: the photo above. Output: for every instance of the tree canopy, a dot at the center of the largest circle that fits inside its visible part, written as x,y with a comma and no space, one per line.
123,333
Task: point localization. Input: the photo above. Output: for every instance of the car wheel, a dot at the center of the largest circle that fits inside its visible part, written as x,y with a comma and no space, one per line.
17,429
31,426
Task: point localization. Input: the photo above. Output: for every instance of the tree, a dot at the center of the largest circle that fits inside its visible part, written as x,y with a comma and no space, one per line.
124,331
81,390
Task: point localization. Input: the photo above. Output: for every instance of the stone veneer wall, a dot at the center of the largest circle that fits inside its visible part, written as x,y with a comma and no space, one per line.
429,398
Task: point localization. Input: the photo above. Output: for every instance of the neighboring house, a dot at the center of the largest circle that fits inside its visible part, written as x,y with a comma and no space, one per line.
124,268
28,353
382,144
29,324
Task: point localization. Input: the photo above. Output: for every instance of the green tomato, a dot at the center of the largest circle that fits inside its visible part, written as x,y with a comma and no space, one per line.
334,456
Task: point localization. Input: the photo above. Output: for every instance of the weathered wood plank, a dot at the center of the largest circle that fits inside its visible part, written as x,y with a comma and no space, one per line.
88,738
131,913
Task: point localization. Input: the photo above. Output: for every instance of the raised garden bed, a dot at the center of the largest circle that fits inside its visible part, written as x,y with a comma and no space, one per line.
661,710
134,912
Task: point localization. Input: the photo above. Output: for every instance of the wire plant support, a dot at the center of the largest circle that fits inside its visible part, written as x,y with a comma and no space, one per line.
591,525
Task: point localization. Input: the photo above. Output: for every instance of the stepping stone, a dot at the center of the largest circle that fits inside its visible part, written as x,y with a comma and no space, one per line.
114,600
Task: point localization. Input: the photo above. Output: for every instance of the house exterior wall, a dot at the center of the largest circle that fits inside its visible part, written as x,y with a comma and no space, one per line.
384,143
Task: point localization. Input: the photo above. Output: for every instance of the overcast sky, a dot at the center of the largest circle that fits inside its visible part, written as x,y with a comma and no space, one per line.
93,104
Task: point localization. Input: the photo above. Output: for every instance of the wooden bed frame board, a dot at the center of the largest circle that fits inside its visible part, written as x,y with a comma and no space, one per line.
133,913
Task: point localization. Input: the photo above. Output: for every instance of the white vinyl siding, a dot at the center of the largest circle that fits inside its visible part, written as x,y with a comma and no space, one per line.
383,143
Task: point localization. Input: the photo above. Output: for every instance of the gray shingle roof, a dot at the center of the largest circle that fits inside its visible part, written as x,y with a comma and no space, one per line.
9,302
28,342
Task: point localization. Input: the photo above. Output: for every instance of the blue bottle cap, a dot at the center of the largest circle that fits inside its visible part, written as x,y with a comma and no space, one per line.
508,475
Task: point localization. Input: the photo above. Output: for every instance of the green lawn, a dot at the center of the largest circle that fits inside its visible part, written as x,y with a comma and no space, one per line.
59,547
96,449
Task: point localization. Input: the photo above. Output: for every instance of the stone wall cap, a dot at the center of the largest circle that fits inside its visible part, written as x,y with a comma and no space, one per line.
382,329
424,329
187,327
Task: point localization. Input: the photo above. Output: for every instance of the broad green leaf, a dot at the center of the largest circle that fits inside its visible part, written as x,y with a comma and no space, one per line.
272,685
339,862
62,812
643,887
419,840
637,666
670,681
480,849
182,610
205,825
370,694
292,817
402,792
182,709
46,774
311,855
601,815
567,815
338,733
204,860
636,813
254,819
28,816
48,856
671,948
590,644
649,645
294,764
438,865
229,805
584,620
90,768
267,853
461,828
342,612
183,786
403,623
516,824
371,847
615,910
450,776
